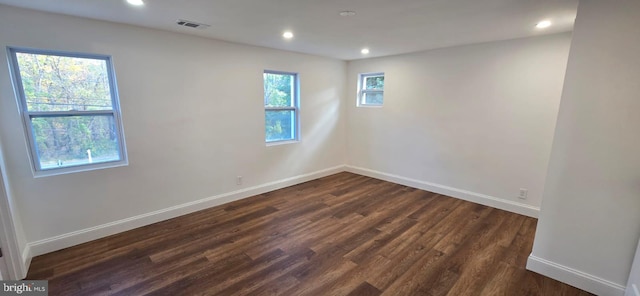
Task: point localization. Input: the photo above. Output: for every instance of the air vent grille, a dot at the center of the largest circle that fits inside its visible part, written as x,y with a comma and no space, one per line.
192,24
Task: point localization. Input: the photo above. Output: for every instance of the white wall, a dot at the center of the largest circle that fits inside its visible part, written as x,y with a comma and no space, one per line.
590,219
12,239
193,119
633,284
475,122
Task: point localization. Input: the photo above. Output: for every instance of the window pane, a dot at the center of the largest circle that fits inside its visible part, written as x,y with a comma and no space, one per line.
57,83
372,98
374,82
280,125
75,140
279,90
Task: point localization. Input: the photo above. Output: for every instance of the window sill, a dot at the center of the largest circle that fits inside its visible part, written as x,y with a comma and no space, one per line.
78,169
369,106
278,143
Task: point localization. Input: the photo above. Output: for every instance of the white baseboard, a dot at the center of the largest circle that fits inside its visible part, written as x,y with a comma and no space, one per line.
26,260
559,272
576,278
85,235
495,202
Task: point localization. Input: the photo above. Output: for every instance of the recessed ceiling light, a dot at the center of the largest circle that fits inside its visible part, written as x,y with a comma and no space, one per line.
135,2
365,51
287,35
347,13
543,24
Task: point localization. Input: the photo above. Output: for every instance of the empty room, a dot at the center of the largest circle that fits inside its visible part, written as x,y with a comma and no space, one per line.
357,147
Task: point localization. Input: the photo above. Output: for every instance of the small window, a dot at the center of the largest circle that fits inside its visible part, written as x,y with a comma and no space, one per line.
280,106
69,105
371,89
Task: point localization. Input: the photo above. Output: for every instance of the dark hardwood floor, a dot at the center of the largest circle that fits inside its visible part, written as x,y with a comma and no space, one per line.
341,235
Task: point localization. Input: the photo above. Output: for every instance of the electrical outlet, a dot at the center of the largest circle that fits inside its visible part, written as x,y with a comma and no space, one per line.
523,193
239,180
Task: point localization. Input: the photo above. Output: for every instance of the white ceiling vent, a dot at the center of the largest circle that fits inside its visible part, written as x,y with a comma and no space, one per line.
192,24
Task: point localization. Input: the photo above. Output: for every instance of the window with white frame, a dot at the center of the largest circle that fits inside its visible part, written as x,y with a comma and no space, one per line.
371,89
280,106
69,105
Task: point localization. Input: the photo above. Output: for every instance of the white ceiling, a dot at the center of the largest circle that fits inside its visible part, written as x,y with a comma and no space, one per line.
387,27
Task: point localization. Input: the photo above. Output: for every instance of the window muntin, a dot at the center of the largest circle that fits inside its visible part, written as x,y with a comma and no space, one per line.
371,89
281,106
70,110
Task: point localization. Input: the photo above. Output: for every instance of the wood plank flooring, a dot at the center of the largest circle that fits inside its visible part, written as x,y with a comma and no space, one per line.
341,235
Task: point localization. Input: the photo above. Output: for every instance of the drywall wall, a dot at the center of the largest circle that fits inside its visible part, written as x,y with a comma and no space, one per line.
590,218
12,240
474,122
193,119
633,283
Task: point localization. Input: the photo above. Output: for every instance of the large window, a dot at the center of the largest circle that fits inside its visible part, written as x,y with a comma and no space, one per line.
371,89
280,106
69,106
